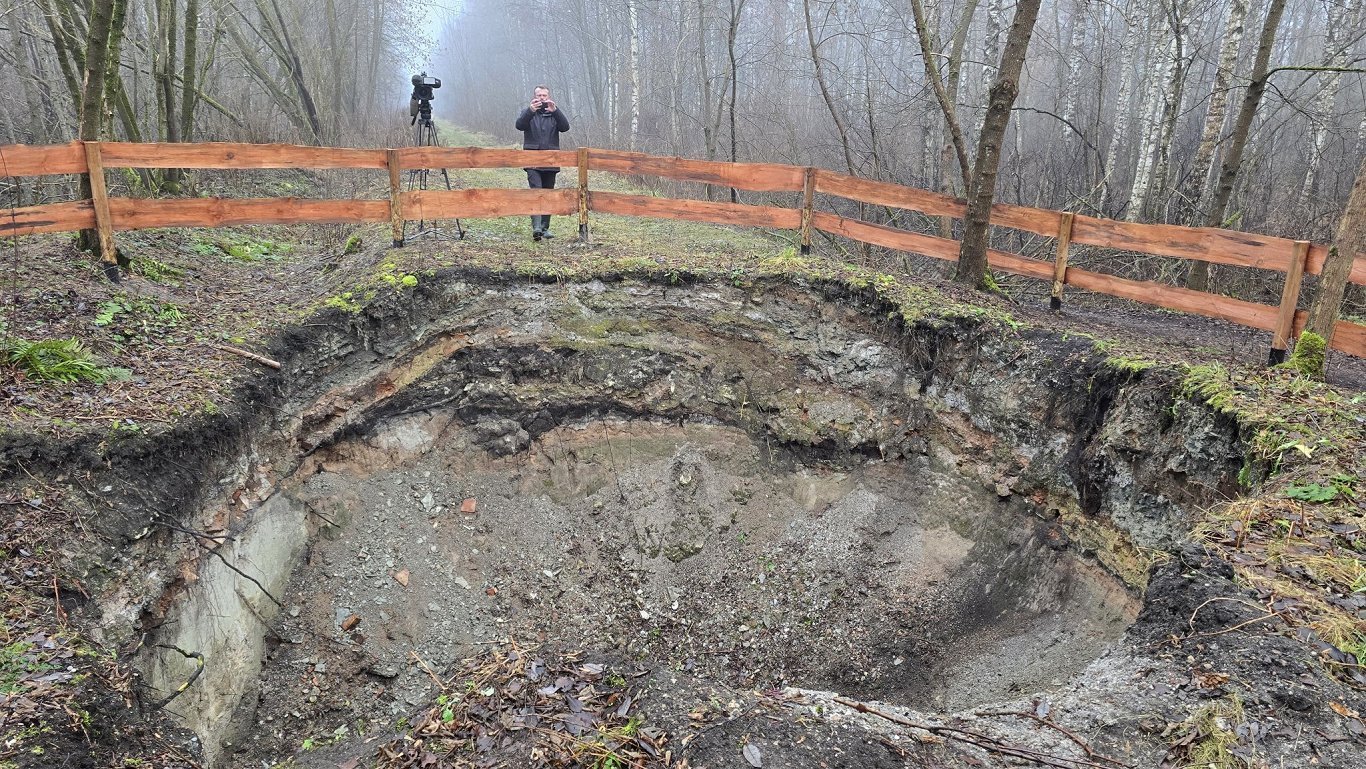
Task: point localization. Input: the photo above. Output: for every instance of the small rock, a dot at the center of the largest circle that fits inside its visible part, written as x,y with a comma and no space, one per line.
428,501
383,669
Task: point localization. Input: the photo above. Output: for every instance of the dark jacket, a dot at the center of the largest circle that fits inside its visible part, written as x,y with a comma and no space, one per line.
541,130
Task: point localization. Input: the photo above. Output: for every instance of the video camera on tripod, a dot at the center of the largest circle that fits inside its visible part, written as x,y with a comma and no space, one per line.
421,101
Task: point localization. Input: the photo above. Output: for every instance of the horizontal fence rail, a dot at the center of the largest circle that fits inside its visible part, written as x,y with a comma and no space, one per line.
1226,247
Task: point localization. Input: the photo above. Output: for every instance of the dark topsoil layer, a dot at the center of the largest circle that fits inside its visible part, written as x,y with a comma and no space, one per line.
188,407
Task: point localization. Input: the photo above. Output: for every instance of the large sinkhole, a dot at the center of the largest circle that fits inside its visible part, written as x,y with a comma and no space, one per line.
756,489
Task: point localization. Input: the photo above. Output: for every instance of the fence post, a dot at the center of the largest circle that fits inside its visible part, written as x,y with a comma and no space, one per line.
104,221
808,200
583,194
1060,259
1290,299
395,203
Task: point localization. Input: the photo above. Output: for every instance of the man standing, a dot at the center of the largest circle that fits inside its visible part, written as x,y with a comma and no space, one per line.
541,125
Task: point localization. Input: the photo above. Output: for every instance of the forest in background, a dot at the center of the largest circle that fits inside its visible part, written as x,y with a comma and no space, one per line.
1124,106
1126,109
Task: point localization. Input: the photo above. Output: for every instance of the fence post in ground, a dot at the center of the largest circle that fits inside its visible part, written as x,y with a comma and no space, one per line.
395,203
104,221
583,194
808,200
1290,299
1060,259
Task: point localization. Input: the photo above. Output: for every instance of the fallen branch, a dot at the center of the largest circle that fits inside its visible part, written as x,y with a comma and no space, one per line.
983,741
1069,734
263,360
198,671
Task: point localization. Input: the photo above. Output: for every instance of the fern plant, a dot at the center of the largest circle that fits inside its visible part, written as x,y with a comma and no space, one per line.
54,360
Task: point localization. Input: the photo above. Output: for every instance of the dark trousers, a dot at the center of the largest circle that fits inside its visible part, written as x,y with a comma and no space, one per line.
539,179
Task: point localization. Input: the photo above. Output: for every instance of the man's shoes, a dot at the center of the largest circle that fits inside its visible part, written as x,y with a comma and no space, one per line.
547,235
536,235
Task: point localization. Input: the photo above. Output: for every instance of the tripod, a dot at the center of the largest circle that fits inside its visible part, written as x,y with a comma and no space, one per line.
424,135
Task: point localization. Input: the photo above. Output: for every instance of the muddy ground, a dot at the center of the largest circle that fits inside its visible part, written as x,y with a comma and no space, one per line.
747,562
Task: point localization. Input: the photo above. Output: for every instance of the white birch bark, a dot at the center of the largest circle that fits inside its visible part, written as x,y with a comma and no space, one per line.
1123,109
1195,192
991,53
1342,18
1183,30
633,17
1072,60
1158,68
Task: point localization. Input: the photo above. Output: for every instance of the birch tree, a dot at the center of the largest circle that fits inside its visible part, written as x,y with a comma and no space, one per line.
1197,279
1343,16
1194,193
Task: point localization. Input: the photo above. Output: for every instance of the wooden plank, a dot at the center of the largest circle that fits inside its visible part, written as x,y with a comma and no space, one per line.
808,203
237,155
25,160
1242,249
482,157
765,177
583,193
1040,221
926,245
695,210
1348,337
887,237
395,168
53,217
487,203
1318,253
132,214
1060,260
885,194
104,224
1257,316
1290,298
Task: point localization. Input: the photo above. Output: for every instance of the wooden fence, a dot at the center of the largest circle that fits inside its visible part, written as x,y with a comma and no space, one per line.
107,215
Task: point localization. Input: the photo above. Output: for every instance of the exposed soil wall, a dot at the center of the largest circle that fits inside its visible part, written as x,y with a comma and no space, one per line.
817,396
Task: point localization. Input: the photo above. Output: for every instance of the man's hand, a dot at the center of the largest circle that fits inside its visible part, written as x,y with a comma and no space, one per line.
549,106
535,104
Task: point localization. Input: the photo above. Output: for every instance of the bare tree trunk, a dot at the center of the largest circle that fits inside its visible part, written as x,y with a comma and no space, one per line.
941,92
840,127
1161,58
1180,23
1072,61
98,39
1342,18
991,51
972,256
1194,193
1198,277
1348,244
1122,99
737,7
633,17
189,84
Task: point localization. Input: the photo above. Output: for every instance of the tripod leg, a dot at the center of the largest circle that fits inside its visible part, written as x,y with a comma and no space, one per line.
459,229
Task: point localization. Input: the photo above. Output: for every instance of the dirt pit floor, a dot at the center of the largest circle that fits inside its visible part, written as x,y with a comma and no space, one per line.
688,550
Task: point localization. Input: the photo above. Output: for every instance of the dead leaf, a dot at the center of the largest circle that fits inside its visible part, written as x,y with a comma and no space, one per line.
350,764
753,756
402,577
491,591
469,506
1343,710
350,623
